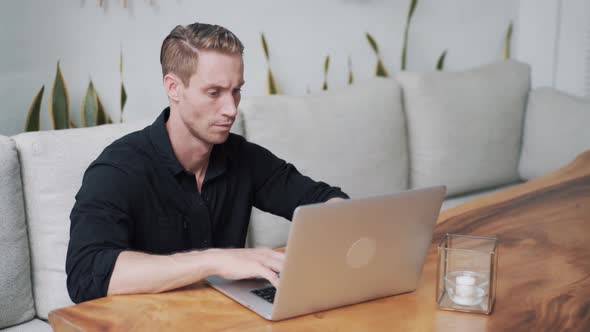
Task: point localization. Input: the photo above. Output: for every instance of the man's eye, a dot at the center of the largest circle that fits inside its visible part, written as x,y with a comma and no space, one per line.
213,93
237,90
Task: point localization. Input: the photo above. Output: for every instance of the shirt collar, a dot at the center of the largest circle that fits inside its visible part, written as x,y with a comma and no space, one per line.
218,160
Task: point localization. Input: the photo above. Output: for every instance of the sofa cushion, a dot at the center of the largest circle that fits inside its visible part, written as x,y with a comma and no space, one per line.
35,325
556,130
53,163
16,296
465,127
353,138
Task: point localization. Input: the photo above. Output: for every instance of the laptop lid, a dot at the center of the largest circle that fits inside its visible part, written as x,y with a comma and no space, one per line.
356,250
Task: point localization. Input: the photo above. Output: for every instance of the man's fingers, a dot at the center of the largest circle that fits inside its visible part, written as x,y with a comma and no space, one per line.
267,252
270,275
271,263
274,264
268,257
278,255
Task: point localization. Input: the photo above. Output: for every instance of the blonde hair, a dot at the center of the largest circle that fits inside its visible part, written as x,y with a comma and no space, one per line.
180,49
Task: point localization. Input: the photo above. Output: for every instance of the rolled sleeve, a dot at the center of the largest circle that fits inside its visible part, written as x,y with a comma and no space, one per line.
99,231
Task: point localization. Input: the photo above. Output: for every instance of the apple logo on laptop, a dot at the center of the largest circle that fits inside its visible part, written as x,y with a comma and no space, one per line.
361,252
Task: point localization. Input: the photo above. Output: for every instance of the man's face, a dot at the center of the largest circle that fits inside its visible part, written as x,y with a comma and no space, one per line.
208,106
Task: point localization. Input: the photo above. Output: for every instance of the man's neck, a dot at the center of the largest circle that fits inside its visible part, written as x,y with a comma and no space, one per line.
192,153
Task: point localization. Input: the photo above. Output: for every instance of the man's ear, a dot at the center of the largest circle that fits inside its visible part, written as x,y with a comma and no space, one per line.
172,86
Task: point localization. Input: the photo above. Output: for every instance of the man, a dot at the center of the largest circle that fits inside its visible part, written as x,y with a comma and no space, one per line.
169,205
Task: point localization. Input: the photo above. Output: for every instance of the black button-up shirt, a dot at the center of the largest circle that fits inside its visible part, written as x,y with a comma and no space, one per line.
137,196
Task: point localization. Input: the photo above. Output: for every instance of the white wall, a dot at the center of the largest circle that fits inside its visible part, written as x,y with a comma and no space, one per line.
573,62
86,39
538,38
554,37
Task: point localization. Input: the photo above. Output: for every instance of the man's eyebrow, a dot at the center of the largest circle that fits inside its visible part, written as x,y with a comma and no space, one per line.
218,85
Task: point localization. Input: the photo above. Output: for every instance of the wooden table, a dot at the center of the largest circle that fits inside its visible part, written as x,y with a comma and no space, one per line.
543,276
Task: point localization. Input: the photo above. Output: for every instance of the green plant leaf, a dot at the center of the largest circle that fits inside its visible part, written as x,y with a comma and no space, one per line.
271,84
123,91
121,62
441,60
350,75
59,105
264,46
101,115
326,68
413,5
89,109
33,115
380,69
373,43
507,42
123,99
272,88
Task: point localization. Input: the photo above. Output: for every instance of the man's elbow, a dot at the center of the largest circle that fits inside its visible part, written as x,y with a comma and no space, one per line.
82,284
80,289
88,273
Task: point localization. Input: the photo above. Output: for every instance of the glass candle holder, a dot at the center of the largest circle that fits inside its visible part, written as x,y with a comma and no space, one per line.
466,274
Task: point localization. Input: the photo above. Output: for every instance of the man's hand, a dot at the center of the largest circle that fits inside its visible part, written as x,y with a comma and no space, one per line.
247,263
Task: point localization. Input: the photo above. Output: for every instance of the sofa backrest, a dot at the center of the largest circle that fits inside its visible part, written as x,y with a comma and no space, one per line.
52,166
556,130
352,137
16,296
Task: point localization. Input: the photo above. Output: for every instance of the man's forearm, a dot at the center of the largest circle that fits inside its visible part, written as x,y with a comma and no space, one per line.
137,272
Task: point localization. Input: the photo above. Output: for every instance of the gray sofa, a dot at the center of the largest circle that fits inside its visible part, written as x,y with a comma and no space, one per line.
475,131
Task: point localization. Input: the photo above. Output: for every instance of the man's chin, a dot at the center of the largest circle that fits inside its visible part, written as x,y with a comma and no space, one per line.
218,138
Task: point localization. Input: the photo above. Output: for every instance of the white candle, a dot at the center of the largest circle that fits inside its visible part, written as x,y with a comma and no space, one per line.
465,286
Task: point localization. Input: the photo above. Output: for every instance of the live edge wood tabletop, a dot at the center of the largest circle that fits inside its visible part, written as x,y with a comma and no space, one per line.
543,276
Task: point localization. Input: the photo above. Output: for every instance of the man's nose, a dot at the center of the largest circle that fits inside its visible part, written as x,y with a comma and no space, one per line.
230,108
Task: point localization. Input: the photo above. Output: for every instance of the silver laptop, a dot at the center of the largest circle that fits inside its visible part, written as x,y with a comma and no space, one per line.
346,252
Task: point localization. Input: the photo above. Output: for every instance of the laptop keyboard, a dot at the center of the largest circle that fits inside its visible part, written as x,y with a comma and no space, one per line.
267,293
